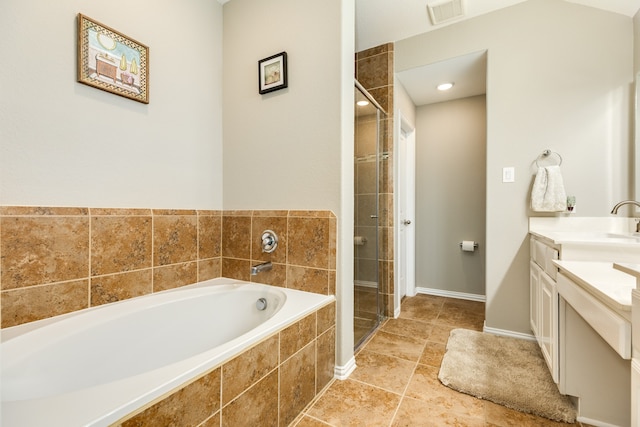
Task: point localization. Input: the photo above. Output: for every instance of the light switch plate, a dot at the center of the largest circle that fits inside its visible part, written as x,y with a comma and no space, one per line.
508,174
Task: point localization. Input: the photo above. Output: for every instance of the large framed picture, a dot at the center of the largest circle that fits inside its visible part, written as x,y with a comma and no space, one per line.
272,73
111,61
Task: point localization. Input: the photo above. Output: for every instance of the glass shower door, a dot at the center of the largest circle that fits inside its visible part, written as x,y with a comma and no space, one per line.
367,311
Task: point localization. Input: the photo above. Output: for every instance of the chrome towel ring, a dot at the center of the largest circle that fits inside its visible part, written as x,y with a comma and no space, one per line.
546,154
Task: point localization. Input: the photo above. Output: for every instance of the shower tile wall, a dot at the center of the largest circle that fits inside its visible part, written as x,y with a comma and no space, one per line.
55,260
374,71
305,258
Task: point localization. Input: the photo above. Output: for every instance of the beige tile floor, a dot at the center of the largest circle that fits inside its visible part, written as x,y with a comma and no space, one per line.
396,381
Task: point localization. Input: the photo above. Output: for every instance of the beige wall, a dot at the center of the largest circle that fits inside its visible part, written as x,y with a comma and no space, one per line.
450,195
282,149
293,148
67,144
559,77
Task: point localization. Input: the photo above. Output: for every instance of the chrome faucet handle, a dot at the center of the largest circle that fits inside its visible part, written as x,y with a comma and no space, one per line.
269,241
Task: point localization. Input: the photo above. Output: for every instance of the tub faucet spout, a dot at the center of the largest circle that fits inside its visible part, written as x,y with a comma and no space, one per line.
265,266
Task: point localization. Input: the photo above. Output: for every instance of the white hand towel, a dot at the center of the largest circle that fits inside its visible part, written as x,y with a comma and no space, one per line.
548,194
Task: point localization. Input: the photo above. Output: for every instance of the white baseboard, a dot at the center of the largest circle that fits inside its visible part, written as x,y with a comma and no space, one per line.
343,372
506,333
451,294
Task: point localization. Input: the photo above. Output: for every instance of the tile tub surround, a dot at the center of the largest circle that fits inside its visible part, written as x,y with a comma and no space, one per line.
267,385
55,260
305,258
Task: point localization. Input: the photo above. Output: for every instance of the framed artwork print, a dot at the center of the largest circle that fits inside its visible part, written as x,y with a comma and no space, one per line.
272,73
111,61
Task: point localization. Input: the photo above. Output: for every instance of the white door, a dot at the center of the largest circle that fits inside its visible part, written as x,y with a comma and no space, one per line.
406,212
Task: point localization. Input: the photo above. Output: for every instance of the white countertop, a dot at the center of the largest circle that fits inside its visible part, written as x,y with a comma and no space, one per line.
588,237
610,285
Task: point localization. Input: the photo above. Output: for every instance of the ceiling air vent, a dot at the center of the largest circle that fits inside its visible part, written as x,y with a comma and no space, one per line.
445,11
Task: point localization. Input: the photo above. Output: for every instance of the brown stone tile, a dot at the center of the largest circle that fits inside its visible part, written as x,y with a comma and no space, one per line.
118,287
387,372
209,236
408,348
213,421
165,212
209,269
414,412
277,276
239,269
243,371
258,406
42,210
119,212
307,421
297,383
188,406
308,279
333,242
425,386
209,212
175,239
270,213
332,283
174,276
462,314
421,307
296,336
308,243
120,243
237,213
326,317
433,354
373,71
381,95
278,225
47,249
326,358
408,327
40,302
376,50
311,214
236,236
352,403
501,416
440,333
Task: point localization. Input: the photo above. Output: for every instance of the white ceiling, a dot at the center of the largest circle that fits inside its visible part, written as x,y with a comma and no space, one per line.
384,21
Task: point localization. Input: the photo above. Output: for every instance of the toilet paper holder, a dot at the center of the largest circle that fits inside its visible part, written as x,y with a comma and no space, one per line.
475,245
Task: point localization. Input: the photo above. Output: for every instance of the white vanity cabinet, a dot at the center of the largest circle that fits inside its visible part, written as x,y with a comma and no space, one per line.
543,302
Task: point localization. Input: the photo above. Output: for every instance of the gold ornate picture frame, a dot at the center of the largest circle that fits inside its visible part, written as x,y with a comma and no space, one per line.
111,61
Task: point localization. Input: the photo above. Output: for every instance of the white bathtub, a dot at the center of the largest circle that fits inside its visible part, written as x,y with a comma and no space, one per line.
95,366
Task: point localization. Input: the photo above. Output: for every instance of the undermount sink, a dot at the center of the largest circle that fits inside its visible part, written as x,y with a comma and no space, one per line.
596,237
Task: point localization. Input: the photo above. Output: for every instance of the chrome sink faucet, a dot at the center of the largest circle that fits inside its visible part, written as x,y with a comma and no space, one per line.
265,266
627,202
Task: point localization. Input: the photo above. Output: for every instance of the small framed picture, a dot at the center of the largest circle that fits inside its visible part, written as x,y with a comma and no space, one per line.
111,61
272,73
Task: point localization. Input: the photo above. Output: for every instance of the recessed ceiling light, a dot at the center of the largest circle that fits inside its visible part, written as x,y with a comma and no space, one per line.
444,86
362,103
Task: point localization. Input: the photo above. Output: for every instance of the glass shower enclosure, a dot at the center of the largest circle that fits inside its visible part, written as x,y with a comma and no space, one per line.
367,142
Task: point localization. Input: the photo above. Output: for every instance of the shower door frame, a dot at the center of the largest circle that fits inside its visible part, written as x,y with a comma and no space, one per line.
379,316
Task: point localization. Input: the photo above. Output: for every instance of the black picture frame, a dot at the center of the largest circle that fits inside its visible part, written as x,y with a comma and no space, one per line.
272,73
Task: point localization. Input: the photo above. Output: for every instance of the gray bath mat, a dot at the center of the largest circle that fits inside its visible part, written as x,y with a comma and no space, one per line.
507,371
